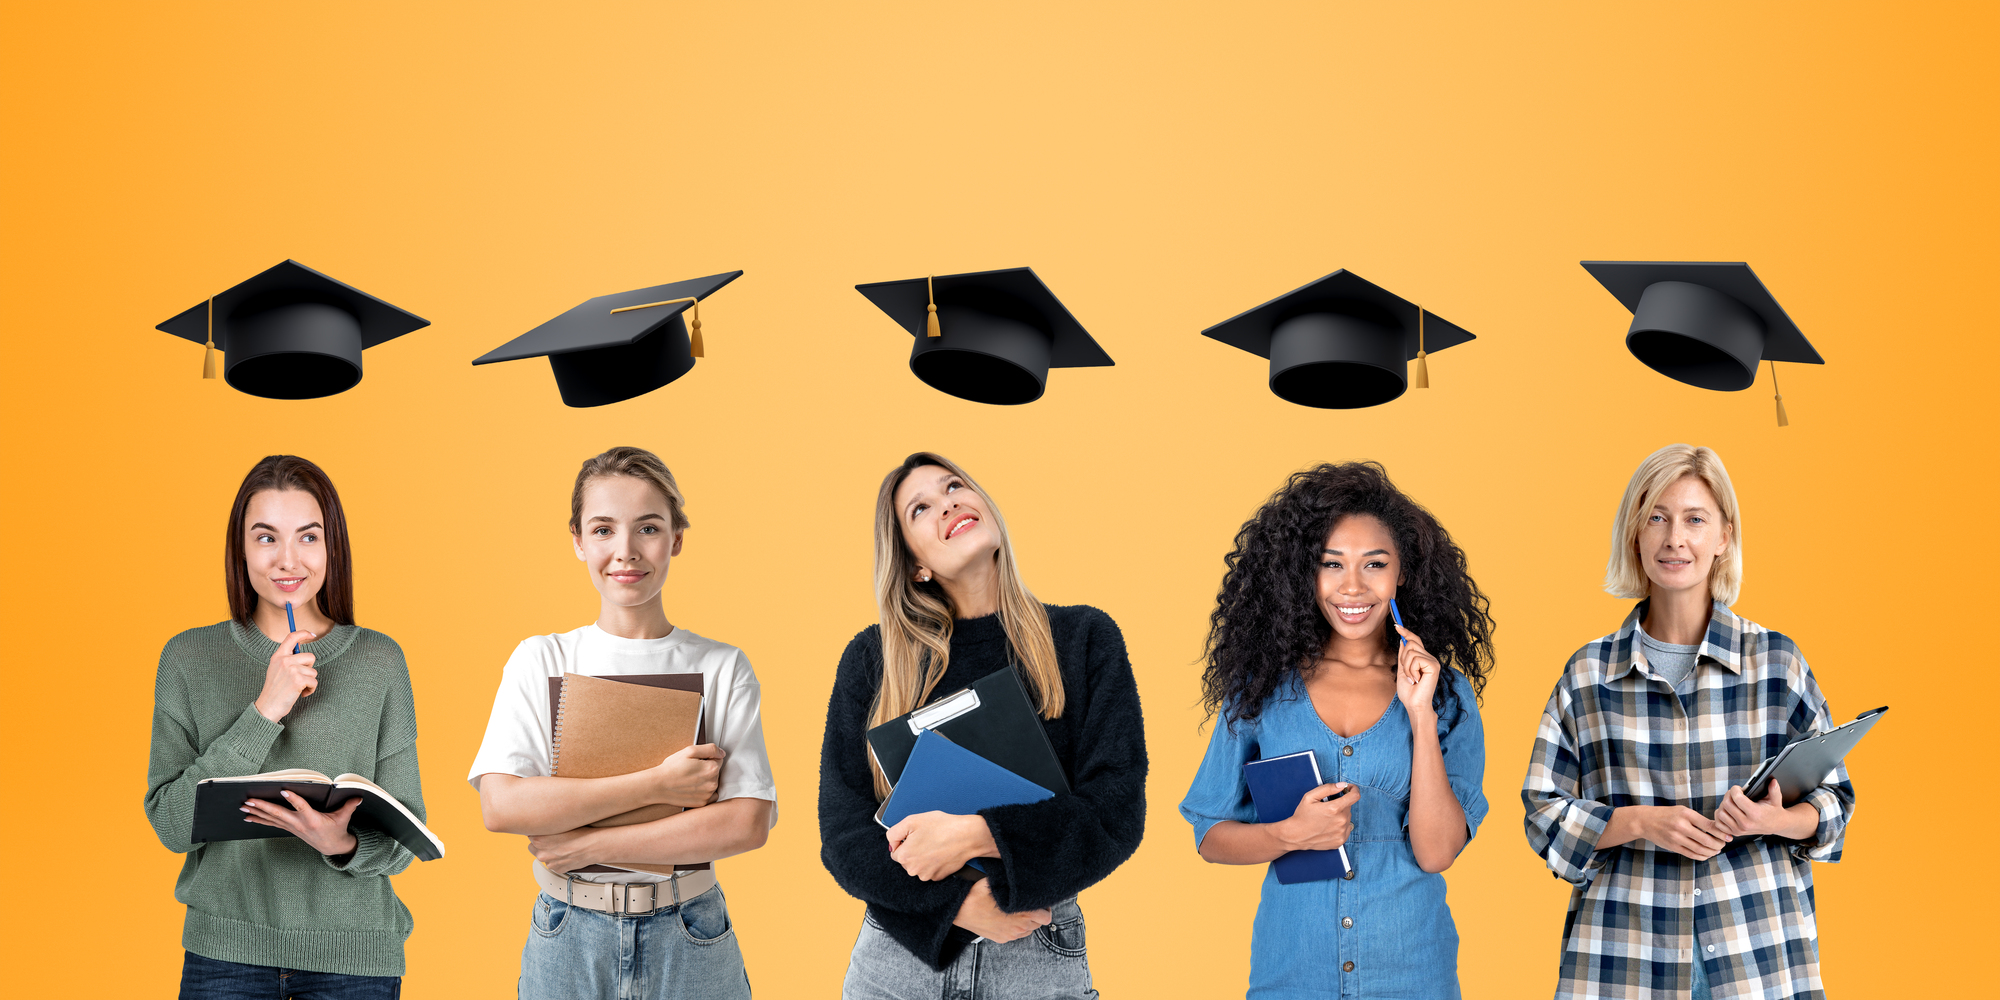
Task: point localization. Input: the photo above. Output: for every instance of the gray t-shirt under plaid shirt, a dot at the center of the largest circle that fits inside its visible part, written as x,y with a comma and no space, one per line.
1671,661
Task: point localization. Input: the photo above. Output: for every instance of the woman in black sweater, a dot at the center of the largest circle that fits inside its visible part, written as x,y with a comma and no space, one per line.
954,610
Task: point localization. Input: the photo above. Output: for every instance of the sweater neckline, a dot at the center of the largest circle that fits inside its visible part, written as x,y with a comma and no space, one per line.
981,629
260,647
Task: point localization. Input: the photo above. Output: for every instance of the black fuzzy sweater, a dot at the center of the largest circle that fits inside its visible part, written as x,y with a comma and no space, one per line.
1049,850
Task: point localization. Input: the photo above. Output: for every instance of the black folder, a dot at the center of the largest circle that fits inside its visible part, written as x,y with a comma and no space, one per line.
993,718
1802,765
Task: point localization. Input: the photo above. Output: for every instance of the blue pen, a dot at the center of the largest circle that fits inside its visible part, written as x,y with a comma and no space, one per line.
292,624
1393,613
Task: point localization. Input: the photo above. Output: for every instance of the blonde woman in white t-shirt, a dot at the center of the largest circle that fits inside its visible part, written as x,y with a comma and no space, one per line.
616,933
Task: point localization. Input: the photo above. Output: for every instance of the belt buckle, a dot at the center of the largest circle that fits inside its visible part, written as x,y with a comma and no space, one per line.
620,898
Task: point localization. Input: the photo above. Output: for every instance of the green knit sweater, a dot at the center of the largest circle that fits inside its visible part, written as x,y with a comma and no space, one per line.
278,902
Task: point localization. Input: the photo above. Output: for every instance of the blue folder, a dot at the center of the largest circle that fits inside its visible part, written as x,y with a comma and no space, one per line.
948,778
1276,786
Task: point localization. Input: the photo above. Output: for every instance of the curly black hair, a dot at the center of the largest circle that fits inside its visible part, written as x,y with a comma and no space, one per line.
1267,625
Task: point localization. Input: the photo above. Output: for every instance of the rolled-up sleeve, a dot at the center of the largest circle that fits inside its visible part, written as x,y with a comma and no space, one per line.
1833,800
1562,827
1464,750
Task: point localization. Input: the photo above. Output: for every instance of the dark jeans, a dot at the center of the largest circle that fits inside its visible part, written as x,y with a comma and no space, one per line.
208,979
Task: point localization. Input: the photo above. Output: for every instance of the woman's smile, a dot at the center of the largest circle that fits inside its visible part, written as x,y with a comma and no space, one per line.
966,522
1353,613
628,577
288,584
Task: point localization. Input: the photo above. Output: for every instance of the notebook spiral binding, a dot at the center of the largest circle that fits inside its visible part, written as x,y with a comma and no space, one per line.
555,756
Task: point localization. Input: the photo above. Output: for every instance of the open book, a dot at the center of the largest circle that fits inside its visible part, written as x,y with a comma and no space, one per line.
218,805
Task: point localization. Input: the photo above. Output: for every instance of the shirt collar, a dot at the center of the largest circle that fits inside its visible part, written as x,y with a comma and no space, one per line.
1722,643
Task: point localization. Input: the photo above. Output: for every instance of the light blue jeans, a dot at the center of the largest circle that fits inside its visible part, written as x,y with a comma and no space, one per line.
1700,991
685,952
1046,965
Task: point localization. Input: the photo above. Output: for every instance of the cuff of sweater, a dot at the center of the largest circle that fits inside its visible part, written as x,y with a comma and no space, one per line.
249,739
374,851
928,936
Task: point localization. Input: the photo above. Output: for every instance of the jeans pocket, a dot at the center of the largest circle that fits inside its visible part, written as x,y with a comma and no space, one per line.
1063,938
548,916
705,918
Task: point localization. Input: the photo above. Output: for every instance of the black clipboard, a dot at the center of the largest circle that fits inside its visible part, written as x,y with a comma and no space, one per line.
1803,764
993,717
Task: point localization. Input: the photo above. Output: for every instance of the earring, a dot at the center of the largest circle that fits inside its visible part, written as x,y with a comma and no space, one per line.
926,578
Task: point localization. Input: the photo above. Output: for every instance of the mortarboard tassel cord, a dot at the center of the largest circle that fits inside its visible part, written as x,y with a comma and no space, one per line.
208,361
1423,367
1783,421
694,320
930,308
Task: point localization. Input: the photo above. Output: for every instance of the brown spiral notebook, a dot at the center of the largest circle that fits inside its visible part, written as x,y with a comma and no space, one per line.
606,726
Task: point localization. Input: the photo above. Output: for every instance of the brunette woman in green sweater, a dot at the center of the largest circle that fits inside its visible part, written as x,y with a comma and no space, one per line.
311,914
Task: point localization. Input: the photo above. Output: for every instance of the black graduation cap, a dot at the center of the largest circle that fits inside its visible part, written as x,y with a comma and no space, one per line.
615,347
291,332
1706,324
986,336
1341,342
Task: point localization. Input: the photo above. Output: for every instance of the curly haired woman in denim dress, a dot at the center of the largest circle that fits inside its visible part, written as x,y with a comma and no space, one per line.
1303,655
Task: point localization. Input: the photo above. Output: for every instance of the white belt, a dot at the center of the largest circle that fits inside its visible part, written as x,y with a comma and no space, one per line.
636,899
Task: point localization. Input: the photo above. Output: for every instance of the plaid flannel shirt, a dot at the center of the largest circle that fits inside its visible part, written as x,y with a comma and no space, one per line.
1615,734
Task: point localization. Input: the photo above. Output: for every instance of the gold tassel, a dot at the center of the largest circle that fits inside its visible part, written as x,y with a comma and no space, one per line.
208,361
1783,421
1423,367
930,307
694,319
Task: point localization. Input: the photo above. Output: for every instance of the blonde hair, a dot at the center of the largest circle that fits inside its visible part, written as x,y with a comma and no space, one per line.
638,463
1625,575
917,617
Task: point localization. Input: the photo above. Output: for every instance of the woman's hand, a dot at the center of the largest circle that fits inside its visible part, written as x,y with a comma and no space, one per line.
326,832
1417,673
1683,831
1317,825
563,852
982,916
1739,815
289,677
933,845
691,776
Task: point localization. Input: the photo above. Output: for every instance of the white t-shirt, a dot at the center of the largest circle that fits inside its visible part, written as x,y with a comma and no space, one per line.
517,734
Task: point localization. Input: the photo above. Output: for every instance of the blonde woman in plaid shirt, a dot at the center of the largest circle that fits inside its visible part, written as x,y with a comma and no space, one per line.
1683,884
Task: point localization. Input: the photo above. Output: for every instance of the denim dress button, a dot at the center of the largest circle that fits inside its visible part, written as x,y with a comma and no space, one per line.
1349,876
1347,751
1347,966
1346,921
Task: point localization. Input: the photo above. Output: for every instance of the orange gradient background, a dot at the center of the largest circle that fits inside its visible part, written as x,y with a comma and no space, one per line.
1162,166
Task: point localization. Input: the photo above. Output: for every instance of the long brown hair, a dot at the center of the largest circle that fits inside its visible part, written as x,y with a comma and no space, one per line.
917,617
290,472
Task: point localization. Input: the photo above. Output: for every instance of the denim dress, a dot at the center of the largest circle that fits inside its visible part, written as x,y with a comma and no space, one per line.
1385,932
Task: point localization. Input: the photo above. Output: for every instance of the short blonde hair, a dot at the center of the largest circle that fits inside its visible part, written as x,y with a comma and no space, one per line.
1624,575
637,463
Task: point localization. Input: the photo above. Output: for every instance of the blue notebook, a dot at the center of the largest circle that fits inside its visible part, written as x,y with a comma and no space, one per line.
1276,785
944,776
